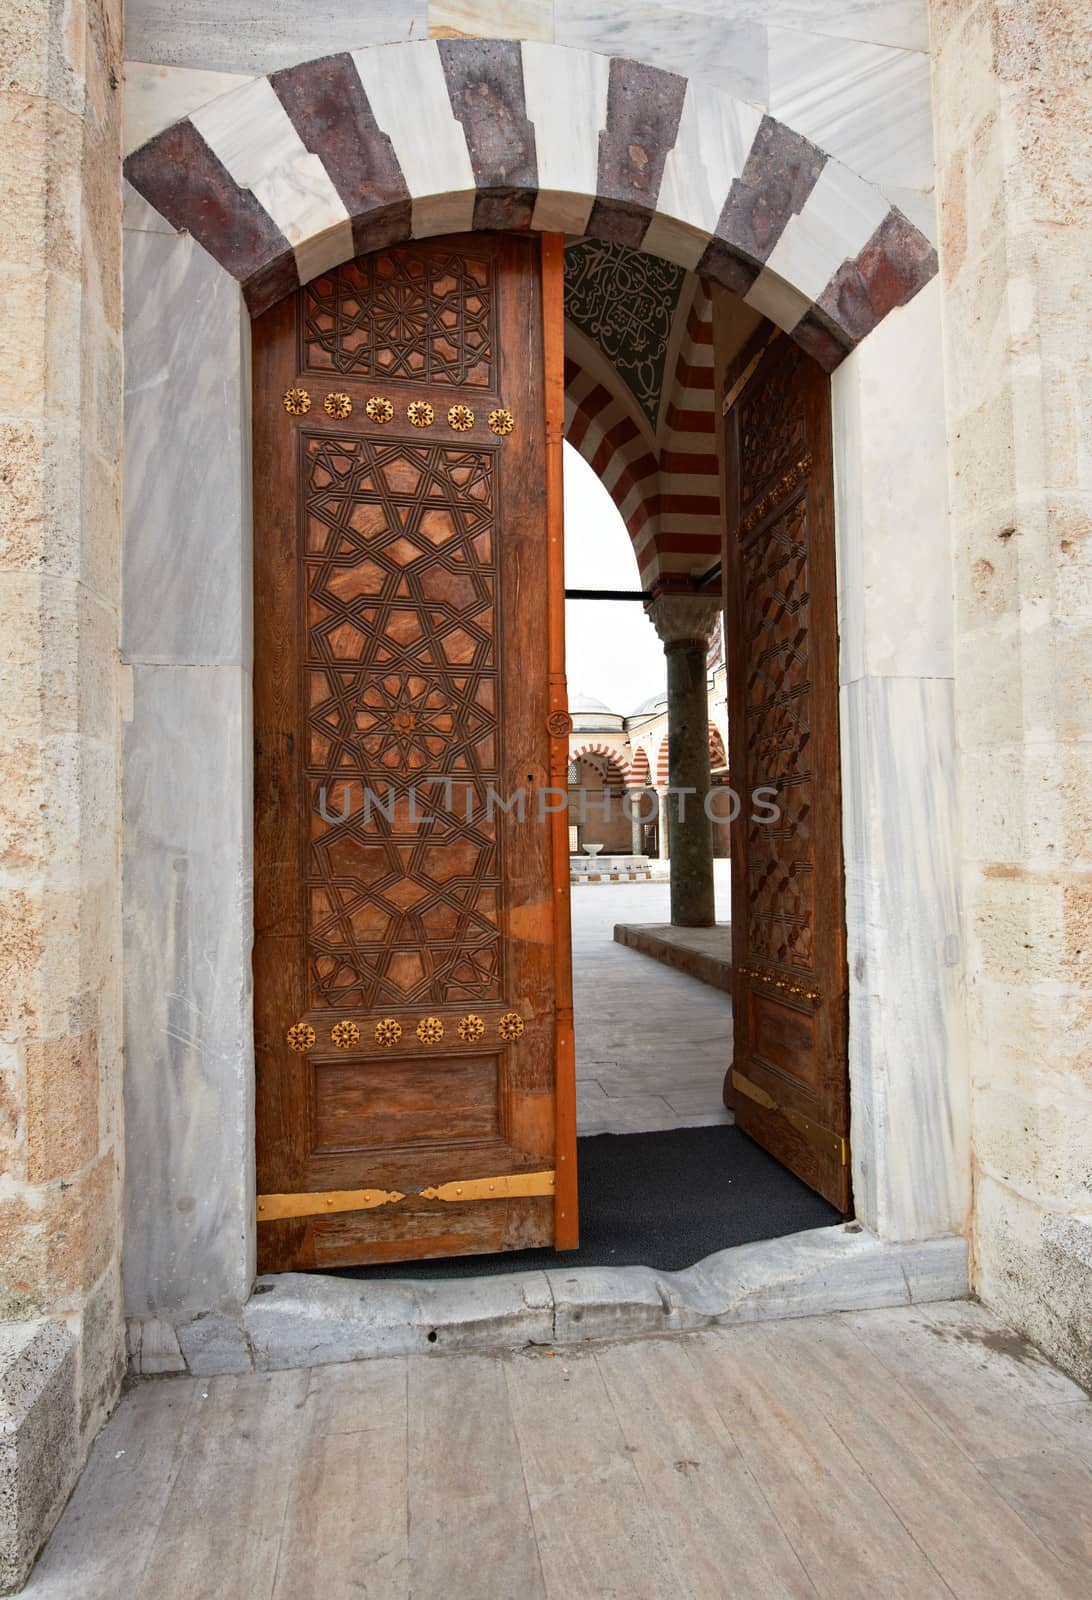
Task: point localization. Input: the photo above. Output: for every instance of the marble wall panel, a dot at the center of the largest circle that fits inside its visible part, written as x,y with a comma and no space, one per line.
156,96
895,576
492,19
866,104
188,921
908,1071
187,465
901,23
186,778
726,51
241,36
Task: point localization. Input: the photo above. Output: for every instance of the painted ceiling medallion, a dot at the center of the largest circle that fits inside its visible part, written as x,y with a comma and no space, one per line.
471,1029
430,1030
461,418
379,409
297,402
501,421
345,1035
301,1037
510,1026
388,1032
420,414
338,405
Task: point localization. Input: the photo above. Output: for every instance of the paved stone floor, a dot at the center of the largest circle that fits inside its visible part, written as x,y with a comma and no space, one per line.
918,1453
652,1045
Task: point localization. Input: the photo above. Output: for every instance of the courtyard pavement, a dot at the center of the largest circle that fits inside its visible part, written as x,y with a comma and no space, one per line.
919,1453
652,1044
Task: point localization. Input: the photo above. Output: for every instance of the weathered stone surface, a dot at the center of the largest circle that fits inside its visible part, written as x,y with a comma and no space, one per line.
780,173
211,1344
179,175
62,1101
330,111
643,110
39,1439
299,1319
895,263
1018,374
485,83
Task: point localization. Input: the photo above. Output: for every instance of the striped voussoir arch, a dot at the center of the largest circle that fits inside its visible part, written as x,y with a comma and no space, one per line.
689,521
599,422
662,777
640,772
287,176
613,767
669,499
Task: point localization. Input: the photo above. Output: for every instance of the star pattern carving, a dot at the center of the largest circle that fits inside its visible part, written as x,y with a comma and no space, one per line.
422,315
401,672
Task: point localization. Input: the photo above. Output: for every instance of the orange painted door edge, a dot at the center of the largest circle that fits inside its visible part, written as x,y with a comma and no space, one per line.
566,1203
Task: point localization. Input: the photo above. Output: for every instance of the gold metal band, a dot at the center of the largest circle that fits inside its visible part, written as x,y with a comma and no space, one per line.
325,1202
825,1139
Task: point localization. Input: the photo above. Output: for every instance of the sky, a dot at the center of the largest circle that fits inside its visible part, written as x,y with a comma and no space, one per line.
611,648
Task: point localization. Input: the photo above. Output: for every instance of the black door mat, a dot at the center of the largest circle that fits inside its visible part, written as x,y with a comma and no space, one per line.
661,1200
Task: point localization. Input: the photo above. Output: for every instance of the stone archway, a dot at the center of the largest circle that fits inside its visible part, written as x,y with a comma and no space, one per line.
289,175
270,185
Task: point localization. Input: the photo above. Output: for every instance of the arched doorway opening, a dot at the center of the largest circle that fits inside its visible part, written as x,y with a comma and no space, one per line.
220,188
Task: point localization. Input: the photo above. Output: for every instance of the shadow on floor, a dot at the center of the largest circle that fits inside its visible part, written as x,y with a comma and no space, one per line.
661,1200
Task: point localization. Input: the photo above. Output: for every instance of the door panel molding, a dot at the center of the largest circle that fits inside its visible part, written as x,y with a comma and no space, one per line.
789,1082
406,676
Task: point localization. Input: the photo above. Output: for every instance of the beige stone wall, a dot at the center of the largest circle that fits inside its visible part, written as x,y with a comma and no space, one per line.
60,420
1013,121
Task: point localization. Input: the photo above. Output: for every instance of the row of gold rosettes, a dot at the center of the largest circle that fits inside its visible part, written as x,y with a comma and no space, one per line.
297,402
430,1030
784,485
777,980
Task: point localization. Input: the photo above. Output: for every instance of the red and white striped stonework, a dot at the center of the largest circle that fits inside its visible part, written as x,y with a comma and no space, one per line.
611,766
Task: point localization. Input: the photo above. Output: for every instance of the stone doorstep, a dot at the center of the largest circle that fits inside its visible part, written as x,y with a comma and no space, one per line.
702,953
300,1319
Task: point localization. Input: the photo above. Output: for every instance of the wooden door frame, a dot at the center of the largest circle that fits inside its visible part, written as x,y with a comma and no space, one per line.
553,354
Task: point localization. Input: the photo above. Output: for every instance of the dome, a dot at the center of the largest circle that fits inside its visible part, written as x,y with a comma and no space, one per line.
581,702
653,703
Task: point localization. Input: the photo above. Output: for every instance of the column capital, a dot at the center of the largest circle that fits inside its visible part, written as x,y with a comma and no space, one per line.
685,618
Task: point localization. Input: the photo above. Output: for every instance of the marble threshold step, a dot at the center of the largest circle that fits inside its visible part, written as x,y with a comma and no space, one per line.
307,1319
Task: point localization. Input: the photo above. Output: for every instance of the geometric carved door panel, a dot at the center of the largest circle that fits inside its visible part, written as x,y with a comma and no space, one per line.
789,1081
412,1008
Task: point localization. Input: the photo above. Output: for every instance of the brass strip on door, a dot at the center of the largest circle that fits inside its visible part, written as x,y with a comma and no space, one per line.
824,1139
325,1202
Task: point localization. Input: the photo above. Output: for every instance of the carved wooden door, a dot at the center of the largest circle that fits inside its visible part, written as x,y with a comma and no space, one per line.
789,1082
413,1022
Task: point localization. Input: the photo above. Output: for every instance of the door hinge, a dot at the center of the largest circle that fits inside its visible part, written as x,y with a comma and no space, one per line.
824,1139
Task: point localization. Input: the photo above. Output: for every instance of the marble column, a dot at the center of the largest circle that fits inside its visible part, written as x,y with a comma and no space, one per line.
685,622
663,832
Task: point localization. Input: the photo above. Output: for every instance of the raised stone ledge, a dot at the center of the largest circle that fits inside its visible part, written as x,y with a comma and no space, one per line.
39,1439
300,1319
